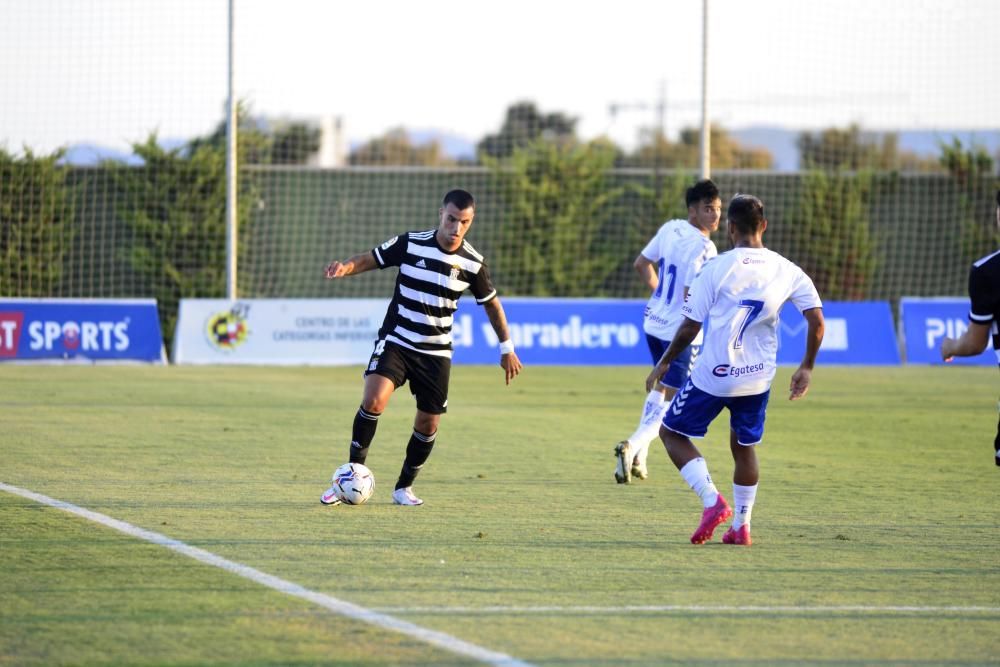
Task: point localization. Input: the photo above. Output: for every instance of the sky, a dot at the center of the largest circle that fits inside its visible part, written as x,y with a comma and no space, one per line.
109,72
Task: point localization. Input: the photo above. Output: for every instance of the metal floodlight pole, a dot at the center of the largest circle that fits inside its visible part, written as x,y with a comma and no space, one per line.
232,214
706,128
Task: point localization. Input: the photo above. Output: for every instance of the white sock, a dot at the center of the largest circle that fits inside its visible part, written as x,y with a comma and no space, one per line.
743,497
649,424
695,473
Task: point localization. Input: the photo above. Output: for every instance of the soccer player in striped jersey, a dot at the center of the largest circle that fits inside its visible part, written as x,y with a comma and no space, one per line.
984,317
414,344
739,294
668,265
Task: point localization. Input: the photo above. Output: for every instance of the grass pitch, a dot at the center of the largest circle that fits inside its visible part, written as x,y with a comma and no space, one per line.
875,529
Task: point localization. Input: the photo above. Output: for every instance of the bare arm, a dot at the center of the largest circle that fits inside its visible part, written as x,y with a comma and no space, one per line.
647,271
498,320
814,337
971,343
686,333
357,264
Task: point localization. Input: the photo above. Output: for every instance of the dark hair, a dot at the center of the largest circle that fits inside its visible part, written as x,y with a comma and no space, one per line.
746,213
703,190
461,199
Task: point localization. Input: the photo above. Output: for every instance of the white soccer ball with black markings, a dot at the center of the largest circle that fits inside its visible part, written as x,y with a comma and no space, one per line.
353,483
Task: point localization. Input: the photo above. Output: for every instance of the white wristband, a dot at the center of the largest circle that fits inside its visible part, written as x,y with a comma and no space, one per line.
506,346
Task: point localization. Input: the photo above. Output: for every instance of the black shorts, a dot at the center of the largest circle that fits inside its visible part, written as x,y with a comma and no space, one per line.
428,374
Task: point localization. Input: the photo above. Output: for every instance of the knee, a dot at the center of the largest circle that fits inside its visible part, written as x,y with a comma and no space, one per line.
745,455
671,441
374,404
426,423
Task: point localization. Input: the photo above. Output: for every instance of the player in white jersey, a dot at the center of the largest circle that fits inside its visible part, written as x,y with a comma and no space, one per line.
668,265
739,295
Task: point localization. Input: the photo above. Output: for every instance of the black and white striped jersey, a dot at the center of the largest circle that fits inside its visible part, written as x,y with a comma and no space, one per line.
984,291
428,287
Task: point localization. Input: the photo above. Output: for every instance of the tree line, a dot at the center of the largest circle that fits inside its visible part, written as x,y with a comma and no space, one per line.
850,147
561,197
524,123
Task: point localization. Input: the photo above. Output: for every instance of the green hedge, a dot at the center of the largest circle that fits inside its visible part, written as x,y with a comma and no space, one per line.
553,221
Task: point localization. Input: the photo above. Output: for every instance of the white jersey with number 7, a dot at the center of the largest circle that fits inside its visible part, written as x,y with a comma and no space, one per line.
738,296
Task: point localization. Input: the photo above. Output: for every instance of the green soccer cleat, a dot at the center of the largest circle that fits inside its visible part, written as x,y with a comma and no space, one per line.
639,468
623,463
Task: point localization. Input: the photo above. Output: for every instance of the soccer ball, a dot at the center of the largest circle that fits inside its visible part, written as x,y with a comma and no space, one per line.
353,483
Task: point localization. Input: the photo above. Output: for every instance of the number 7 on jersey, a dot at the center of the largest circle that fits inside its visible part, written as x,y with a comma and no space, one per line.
753,308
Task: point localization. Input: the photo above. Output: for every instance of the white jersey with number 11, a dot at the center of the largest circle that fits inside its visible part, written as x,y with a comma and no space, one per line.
739,294
680,250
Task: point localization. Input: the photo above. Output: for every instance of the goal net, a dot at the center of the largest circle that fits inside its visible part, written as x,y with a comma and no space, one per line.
870,131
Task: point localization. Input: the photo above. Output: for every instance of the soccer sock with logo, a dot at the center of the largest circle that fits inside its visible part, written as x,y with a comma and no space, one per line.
743,498
649,424
417,450
365,424
695,473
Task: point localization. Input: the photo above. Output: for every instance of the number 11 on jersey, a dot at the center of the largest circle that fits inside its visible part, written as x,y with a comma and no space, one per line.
671,272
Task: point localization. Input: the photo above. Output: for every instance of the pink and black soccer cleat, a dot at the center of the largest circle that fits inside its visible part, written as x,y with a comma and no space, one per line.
740,535
710,520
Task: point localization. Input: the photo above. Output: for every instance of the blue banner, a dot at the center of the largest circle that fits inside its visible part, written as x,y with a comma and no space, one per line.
590,332
926,322
858,332
80,330
609,332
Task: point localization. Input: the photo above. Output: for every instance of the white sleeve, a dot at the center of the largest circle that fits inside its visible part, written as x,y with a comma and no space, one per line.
699,299
805,296
652,249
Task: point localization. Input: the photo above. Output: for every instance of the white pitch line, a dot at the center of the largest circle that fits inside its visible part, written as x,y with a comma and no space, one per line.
433,637
588,609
